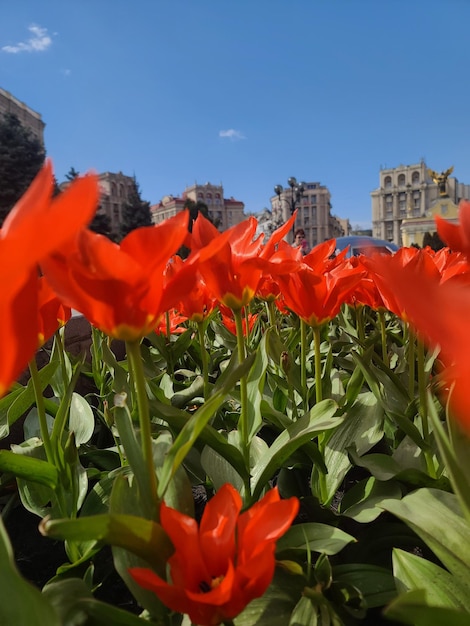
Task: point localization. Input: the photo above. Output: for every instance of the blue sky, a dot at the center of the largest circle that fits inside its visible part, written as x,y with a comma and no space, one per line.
245,92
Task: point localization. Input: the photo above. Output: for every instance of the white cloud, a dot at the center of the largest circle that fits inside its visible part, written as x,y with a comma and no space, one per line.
232,134
39,41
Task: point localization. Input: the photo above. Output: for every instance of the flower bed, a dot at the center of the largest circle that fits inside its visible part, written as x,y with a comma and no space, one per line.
317,402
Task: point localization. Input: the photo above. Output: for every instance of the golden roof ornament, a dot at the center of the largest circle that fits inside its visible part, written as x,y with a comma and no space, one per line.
441,179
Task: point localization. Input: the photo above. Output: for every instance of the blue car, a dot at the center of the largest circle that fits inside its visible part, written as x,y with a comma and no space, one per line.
361,244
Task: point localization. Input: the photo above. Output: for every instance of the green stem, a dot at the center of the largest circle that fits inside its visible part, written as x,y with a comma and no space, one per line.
411,362
61,349
303,363
168,325
271,313
246,313
360,309
319,397
383,337
33,369
204,357
423,407
137,368
318,379
243,424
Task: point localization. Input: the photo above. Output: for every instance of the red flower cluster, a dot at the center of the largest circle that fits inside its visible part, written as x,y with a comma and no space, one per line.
220,566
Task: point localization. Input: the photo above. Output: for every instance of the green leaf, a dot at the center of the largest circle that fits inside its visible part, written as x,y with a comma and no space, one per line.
195,426
21,602
364,501
412,609
81,420
255,384
125,499
315,537
442,588
455,455
73,600
5,404
27,397
276,604
428,512
362,427
305,613
140,536
29,468
133,450
320,419
377,585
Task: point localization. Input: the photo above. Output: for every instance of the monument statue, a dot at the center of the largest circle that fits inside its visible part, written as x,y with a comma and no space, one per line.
441,179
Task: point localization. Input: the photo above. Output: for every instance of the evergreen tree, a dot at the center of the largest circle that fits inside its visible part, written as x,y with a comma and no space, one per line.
101,224
72,174
194,209
136,212
21,157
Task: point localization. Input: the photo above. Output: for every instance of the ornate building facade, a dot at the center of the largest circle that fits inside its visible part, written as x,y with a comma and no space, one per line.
313,215
224,212
115,190
29,118
408,192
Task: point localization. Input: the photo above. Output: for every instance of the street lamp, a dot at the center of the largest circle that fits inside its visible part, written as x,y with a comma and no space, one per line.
292,200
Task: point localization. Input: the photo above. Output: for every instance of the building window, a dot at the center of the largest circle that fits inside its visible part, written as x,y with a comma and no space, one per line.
313,199
387,182
311,186
389,230
306,220
415,178
314,213
401,180
389,204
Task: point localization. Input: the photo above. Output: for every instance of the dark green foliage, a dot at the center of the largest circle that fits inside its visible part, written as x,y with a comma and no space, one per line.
21,158
194,209
433,241
101,224
72,174
136,212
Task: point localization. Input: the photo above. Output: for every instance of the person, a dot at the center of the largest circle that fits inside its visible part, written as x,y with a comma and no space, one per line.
300,241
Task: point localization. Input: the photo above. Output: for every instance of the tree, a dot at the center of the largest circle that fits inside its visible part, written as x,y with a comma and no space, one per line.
72,174
433,241
194,209
101,224
21,157
136,212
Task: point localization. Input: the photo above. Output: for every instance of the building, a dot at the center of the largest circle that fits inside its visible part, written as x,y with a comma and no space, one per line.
224,212
405,192
115,191
29,118
314,213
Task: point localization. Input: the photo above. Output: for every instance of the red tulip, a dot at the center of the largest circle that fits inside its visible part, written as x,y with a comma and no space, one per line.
457,237
220,566
35,227
321,285
52,312
439,314
121,289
